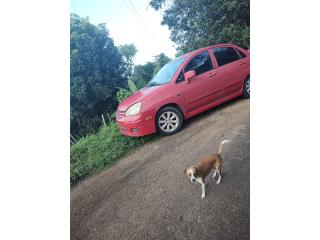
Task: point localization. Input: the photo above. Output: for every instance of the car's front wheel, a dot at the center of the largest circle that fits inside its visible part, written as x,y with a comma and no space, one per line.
246,88
169,121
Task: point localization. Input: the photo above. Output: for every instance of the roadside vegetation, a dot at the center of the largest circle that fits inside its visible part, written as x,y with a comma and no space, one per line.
95,152
102,74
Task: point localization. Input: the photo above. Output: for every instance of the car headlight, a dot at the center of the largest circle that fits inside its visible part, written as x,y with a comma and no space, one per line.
134,109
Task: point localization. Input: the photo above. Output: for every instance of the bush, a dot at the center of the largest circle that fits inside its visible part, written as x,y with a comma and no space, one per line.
123,94
95,152
133,88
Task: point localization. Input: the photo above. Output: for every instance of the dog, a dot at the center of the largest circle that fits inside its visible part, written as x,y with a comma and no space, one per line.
200,171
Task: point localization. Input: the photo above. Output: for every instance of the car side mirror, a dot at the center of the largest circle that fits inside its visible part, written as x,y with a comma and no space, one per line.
189,75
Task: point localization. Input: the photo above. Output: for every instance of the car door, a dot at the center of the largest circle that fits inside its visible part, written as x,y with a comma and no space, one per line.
230,69
244,63
203,88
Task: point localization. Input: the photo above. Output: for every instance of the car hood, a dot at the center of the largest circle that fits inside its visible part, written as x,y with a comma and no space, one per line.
138,97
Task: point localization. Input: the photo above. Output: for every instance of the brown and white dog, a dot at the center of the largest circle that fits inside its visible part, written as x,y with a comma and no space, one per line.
200,171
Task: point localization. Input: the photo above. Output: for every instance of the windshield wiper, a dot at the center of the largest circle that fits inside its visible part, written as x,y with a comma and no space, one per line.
153,84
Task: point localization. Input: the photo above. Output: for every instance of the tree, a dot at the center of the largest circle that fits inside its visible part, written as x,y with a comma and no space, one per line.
96,73
128,52
200,23
142,74
159,61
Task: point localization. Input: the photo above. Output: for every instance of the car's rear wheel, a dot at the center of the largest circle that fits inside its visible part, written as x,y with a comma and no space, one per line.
169,121
246,88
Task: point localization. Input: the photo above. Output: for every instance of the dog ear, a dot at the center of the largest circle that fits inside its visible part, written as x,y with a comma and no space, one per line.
185,171
195,169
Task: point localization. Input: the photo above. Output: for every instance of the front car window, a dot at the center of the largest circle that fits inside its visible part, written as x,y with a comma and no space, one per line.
225,55
180,78
166,73
200,63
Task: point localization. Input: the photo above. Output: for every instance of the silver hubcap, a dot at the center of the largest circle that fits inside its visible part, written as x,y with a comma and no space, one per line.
168,121
248,86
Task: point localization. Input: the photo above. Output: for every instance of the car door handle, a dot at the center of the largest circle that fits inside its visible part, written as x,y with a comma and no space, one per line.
241,63
212,74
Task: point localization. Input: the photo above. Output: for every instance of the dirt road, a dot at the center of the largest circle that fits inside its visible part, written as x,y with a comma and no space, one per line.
147,196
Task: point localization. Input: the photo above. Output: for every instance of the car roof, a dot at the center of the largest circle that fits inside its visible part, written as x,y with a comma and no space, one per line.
205,48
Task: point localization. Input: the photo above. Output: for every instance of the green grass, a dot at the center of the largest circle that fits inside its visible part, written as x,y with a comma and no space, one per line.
96,152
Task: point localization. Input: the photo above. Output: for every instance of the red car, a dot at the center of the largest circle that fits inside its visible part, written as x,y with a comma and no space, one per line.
185,87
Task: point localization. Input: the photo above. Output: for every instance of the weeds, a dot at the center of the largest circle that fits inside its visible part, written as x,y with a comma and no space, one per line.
96,152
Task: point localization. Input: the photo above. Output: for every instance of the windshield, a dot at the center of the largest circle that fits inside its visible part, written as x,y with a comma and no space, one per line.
166,73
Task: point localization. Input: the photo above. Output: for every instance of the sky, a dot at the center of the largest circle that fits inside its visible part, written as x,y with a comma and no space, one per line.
129,21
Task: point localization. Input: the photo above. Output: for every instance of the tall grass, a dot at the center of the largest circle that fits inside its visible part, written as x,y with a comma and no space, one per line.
96,152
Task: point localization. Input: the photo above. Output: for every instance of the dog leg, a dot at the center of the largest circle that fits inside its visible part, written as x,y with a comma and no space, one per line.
214,174
218,181
203,186
219,173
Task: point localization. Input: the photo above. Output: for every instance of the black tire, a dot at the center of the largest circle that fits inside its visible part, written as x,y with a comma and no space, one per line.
175,115
246,88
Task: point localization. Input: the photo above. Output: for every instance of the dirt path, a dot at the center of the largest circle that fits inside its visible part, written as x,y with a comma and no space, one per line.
147,196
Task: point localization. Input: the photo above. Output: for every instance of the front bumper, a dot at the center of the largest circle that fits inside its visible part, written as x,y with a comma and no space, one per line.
136,126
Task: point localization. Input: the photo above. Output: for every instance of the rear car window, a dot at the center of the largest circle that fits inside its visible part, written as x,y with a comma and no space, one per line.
225,55
241,54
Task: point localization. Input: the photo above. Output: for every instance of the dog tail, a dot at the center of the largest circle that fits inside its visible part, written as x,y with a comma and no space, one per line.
221,145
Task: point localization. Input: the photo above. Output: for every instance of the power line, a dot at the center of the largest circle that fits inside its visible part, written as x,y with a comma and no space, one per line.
138,14
134,15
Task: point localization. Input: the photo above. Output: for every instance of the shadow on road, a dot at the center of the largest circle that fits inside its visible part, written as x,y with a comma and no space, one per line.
203,115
